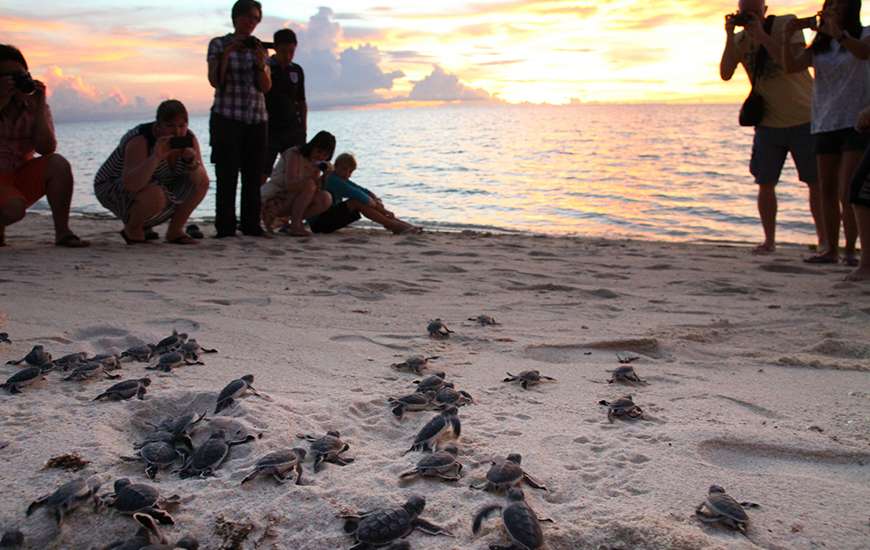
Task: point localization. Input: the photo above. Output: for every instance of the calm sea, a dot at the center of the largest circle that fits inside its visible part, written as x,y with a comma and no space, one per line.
651,172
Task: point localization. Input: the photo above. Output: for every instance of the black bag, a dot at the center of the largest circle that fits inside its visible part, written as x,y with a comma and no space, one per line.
752,111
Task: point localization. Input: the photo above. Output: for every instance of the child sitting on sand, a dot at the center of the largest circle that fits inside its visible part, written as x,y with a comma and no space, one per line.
358,201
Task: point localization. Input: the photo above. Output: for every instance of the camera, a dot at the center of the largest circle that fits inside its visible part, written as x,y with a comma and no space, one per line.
324,166
181,142
252,43
24,83
742,19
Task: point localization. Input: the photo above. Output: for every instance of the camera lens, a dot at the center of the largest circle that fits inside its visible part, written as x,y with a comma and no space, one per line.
24,83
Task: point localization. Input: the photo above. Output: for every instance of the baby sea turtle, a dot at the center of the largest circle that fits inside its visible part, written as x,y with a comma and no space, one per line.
437,329
443,464
67,497
149,537
415,364
172,360
327,449
722,508
211,454
192,351
382,526
22,379
442,426
90,370
234,390
522,524
140,354
417,401
159,454
170,343
109,361
505,473
70,361
13,538
623,408
180,425
131,498
433,382
626,375
35,357
279,464
528,378
484,320
4,338
448,396
126,390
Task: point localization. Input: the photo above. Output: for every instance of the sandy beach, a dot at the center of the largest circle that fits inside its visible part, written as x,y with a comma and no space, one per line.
757,370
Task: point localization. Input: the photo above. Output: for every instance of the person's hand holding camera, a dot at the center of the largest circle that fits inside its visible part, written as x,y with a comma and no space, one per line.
729,23
830,24
162,148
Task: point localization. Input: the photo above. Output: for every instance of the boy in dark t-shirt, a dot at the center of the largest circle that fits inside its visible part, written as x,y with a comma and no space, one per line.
285,102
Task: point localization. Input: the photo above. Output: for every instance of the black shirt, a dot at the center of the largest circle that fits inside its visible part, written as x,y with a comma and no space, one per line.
285,100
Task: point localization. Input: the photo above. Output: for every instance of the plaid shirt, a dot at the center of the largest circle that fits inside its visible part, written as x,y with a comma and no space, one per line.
239,98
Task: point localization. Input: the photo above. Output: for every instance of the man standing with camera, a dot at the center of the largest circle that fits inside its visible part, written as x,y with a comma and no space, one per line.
784,126
285,102
26,129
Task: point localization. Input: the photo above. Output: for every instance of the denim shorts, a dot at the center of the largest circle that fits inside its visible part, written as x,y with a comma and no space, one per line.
771,146
840,141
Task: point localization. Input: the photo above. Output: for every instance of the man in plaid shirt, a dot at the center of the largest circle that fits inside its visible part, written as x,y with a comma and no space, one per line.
238,72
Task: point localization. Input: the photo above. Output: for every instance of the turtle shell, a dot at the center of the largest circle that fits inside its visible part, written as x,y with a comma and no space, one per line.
438,460
505,472
160,453
725,505
625,371
25,376
327,444
232,390
530,375
384,526
432,428
209,454
277,459
171,359
135,497
180,424
418,399
88,370
523,526
432,382
70,360
621,404
139,353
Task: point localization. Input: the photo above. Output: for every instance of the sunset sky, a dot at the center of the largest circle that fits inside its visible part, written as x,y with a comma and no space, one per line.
103,58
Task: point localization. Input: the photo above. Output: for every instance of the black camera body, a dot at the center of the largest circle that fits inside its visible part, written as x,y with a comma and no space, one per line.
252,43
742,19
24,83
181,142
324,166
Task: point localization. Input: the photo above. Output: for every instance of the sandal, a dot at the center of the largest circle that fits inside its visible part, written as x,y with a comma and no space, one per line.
194,232
151,235
128,240
71,240
182,239
821,259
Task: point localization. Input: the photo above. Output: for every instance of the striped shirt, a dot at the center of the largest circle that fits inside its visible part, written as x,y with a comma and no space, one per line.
17,127
238,98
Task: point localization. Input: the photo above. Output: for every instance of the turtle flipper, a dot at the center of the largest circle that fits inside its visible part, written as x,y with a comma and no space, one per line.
318,461
534,483
162,516
410,473
456,424
36,504
398,411
250,476
750,504
483,514
431,528
299,473
510,378
221,405
255,392
101,396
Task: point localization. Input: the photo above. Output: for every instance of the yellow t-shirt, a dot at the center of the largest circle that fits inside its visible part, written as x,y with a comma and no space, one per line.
787,97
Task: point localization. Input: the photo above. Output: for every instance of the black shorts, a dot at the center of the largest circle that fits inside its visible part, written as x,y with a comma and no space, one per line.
771,146
340,215
840,141
860,190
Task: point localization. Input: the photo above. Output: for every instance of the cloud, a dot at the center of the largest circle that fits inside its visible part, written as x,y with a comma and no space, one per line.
72,99
442,86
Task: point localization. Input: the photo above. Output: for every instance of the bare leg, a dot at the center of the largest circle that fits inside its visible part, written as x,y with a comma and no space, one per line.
301,202
148,202
11,212
862,272
199,179
58,191
829,168
815,210
767,207
374,214
849,162
321,202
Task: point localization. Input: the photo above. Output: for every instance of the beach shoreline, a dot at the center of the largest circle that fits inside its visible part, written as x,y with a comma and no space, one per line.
757,369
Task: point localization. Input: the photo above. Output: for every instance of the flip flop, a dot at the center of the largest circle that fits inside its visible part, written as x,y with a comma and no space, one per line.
194,231
819,259
71,241
151,235
183,240
128,240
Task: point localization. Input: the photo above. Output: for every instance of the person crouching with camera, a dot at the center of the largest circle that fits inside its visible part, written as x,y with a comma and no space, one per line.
155,174
778,108
26,129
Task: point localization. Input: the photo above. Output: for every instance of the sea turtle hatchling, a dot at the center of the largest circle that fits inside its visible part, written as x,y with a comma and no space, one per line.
131,498
327,448
528,378
449,396
70,361
159,454
4,338
22,379
36,357
505,473
140,354
626,375
149,537
90,370
720,507
438,330
209,456
172,360
67,498
442,464
417,401
179,425
522,524
110,361
383,526
170,343
415,364
192,351
126,390
623,408
484,320
234,390
279,464
433,382
445,425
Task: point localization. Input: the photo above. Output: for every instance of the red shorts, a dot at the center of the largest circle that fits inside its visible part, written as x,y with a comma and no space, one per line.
27,183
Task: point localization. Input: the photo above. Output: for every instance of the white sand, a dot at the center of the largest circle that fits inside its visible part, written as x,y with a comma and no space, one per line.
743,354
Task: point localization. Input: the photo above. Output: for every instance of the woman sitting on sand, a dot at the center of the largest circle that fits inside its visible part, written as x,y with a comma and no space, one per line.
154,175
294,188
350,202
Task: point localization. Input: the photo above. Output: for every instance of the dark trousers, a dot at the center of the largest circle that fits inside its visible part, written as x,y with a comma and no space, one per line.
237,147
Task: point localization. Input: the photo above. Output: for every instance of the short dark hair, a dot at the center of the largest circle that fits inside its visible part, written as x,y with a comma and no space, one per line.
284,36
171,109
323,140
242,7
9,52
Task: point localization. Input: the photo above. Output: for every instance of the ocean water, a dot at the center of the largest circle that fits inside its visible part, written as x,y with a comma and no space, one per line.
675,172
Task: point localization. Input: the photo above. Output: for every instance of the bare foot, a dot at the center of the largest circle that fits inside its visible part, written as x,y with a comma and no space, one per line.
764,248
298,231
859,275
823,258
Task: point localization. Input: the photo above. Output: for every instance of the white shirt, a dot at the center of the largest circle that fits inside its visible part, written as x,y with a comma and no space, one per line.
841,88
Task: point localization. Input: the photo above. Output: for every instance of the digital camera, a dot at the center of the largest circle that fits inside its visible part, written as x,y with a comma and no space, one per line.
324,166
24,83
742,19
252,42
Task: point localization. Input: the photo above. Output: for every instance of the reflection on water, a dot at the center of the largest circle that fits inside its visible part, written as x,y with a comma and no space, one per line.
657,172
